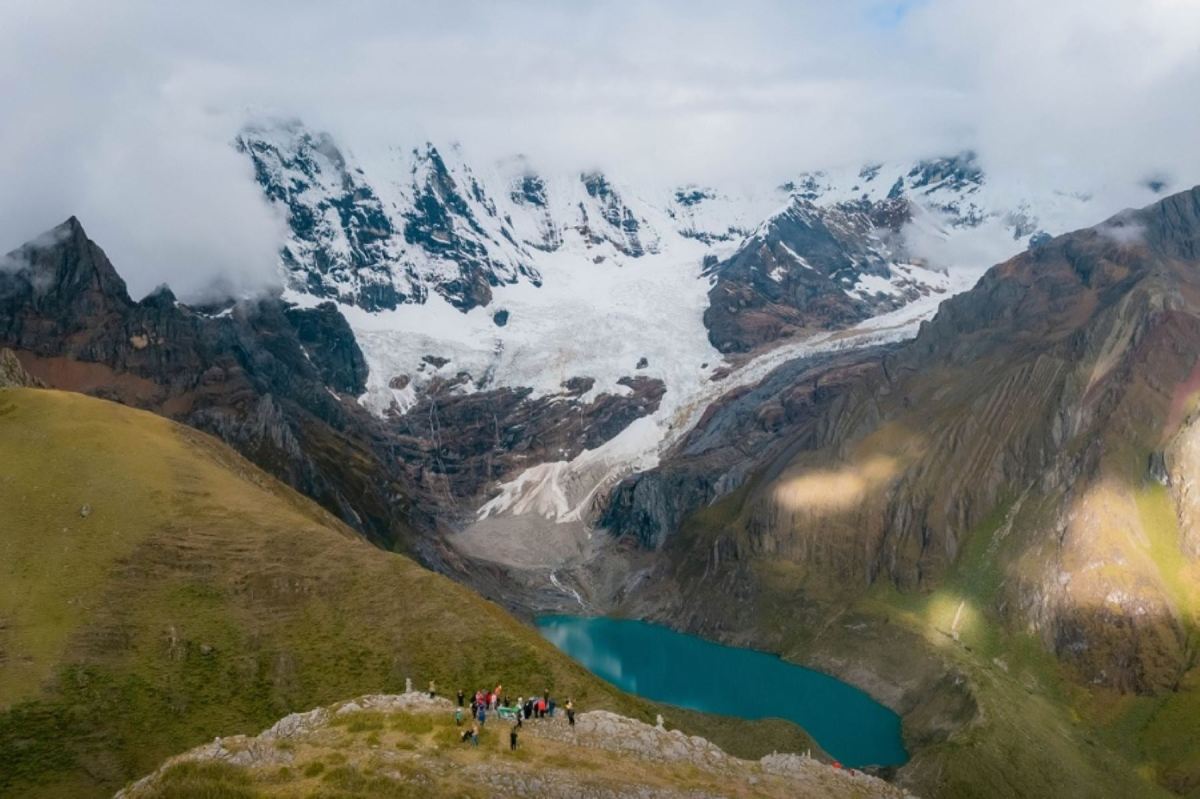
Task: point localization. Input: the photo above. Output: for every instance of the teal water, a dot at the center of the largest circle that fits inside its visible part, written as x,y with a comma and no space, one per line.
660,664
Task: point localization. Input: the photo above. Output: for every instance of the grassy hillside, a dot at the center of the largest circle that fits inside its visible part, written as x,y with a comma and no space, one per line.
1038,731
156,589
1035,728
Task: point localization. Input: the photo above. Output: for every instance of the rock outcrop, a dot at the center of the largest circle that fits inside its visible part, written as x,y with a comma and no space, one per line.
808,269
12,373
462,442
409,742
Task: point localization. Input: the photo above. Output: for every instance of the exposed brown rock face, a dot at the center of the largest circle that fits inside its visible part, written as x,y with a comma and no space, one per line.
737,436
1039,398
461,442
792,277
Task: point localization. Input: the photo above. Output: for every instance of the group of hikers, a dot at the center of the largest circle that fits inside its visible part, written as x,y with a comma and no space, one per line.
498,702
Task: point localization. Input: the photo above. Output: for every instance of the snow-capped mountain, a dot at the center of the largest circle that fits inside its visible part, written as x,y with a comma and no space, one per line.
382,244
575,290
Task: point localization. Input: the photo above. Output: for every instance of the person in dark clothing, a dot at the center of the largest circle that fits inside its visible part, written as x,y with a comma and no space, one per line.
512,739
550,708
570,712
461,697
528,708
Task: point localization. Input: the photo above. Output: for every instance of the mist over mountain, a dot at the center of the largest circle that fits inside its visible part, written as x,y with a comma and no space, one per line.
861,335
124,116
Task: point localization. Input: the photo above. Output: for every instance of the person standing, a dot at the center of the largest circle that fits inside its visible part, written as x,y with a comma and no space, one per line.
475,735
458,716
512,739
461,697
550,707
571,712
432,689
481,716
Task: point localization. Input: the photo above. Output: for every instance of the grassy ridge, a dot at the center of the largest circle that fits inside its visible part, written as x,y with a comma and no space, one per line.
195,596
418,751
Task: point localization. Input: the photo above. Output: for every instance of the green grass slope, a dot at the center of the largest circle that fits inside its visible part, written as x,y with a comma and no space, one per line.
156,590
1035,729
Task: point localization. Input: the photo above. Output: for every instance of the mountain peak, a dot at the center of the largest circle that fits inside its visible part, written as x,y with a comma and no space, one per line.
66,259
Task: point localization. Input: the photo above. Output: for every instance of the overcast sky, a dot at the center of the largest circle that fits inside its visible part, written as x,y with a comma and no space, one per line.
122,112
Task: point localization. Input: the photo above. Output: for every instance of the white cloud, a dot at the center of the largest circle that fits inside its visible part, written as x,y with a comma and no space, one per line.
122,113
1123,231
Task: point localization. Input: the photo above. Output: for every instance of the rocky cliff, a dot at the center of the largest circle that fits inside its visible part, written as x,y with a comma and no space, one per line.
812,268
12,373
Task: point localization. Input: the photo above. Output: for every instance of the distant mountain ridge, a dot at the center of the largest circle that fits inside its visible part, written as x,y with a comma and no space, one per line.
425,225
425,220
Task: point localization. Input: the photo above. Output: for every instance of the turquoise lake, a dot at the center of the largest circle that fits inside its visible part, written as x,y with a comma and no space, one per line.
660,664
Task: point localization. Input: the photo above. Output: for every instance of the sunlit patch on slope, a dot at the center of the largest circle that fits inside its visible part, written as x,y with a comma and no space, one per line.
821,491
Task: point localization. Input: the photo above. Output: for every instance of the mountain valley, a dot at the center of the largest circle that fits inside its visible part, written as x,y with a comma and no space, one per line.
766,421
